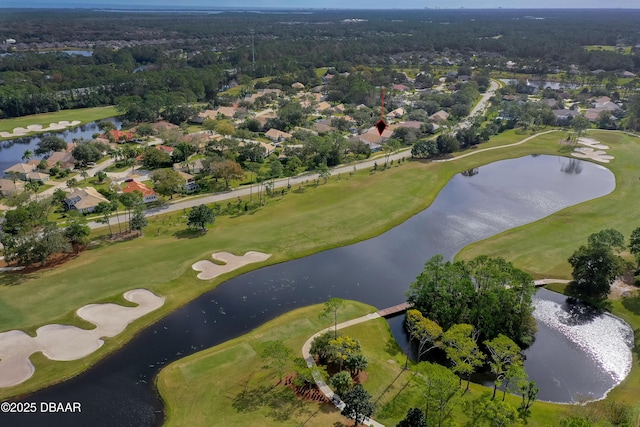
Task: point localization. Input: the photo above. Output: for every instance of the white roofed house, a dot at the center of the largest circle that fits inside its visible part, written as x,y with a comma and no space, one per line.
84,200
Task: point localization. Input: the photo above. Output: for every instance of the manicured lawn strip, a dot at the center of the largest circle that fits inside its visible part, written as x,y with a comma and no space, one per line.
543,247
85,115
212,378
338,213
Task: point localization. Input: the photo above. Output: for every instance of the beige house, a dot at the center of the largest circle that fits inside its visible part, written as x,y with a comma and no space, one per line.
21,170
8,187
38,176
84,200
439,116
277,135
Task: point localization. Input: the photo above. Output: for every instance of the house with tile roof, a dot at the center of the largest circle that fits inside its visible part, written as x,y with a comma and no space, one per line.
148,195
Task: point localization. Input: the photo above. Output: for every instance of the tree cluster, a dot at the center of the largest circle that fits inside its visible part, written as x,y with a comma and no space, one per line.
487,293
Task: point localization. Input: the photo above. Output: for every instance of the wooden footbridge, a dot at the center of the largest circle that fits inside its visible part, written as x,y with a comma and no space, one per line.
396,309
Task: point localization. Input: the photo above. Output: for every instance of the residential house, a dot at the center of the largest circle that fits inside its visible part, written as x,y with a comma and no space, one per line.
563,116
189,182
396,114
8,187
61,159
551,102
322,106
411,124
439,116
400,87
277,135
226,112
297,85
118,135
163,125
38,177
323,126
84,200
21,170
166,149
373,138
148,195
192,166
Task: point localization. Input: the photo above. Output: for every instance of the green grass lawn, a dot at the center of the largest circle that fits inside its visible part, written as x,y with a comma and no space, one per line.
303,222
85,115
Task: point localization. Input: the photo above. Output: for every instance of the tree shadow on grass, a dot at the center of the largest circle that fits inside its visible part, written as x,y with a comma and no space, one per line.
250,400
13,278
189,233
281,401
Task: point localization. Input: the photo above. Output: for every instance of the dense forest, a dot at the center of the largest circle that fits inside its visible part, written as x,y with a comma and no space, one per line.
168,59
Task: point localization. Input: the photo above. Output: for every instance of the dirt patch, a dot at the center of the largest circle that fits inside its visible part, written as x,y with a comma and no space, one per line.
620,289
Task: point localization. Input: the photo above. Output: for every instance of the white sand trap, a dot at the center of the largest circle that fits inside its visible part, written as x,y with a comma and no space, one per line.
590,153
593,143
66,342
20,131
209,270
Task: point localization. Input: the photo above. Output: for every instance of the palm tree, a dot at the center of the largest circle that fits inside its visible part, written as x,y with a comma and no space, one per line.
27,155
33,186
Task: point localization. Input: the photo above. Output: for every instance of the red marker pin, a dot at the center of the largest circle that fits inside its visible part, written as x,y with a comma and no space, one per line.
381,125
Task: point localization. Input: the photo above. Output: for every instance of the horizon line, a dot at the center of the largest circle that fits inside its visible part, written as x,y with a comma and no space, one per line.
282,8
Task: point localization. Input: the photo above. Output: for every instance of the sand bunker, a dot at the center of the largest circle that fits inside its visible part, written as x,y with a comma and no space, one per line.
66,342
209,270
594,150
590,153
20,131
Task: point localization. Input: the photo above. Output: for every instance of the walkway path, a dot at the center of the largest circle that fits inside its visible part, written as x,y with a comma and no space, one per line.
322,385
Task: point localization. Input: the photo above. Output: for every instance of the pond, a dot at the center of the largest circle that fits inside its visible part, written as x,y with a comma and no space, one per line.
11,150
119,390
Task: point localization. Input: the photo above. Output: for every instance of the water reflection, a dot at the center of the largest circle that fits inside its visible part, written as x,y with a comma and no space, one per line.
470,172
572,166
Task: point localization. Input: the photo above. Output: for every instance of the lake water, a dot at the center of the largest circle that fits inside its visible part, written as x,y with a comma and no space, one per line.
11,150
119,390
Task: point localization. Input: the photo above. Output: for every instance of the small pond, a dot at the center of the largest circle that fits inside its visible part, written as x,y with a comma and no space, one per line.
11,150
119,390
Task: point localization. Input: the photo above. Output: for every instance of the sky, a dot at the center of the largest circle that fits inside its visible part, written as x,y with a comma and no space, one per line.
329,4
